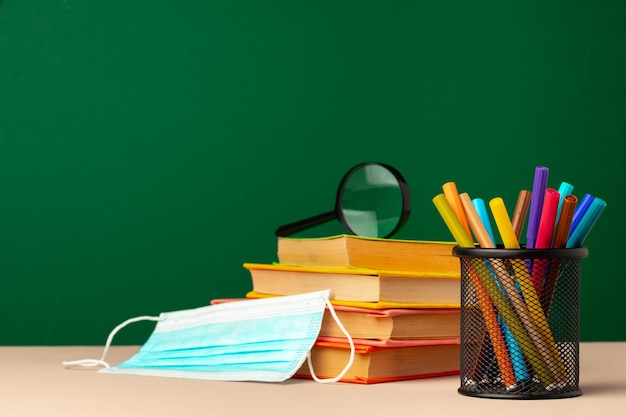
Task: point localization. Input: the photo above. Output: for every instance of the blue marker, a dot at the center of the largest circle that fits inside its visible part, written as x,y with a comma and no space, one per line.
580,211
590,218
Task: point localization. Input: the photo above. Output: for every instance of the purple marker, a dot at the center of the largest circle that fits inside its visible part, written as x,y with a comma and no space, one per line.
536,204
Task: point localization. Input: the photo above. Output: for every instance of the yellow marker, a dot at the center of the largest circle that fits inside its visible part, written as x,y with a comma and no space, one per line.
452,221
500,215
505,227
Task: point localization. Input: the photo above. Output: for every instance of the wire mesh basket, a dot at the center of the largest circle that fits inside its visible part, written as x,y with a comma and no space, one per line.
520,322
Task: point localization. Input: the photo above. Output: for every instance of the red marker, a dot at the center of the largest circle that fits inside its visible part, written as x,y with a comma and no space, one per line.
544,236
548,219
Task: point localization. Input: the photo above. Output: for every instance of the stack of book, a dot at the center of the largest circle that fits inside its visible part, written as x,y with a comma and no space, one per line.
398,299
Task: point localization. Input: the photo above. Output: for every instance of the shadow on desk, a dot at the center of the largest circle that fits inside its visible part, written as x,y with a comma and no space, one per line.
600,388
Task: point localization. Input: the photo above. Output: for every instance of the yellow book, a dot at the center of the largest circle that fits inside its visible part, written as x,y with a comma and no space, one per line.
360,286
365,252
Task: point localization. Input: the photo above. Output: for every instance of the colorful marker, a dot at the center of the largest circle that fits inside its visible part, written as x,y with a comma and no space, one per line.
515,351
564,224
536,204
560,240
478,282
451,220
537,326
452,195
581,209
564,189
481,209
578,236
544,237
521,211
532,327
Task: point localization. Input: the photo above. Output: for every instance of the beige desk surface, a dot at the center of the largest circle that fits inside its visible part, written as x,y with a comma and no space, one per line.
33,383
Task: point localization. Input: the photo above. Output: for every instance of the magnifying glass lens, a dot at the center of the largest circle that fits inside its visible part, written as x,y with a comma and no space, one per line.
371,201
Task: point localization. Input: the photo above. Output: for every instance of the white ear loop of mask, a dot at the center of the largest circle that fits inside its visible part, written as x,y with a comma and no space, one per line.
352,351
101,361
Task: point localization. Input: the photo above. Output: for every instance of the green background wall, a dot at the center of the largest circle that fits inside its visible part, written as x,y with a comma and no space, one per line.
149,148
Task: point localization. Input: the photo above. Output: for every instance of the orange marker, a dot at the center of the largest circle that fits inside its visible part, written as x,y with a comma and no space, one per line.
521,211
452,195
565,221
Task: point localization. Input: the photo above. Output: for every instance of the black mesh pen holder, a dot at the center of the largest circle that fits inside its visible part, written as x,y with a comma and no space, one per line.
520,322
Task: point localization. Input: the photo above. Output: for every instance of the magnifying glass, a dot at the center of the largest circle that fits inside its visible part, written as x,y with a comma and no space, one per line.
372,200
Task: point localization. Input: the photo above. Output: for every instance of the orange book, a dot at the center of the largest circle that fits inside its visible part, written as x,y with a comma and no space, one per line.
379,361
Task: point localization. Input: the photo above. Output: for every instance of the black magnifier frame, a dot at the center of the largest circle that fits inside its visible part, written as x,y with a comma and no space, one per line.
338,212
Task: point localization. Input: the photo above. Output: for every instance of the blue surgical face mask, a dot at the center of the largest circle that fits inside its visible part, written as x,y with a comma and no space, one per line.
253,340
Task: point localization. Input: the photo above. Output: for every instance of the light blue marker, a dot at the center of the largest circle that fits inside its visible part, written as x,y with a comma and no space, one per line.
591,216
481,209
564,190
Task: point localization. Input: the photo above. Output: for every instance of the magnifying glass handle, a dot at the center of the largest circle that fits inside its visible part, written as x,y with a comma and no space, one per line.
298,226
